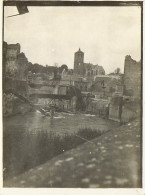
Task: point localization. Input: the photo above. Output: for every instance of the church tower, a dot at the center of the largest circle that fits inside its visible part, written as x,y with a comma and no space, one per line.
78,62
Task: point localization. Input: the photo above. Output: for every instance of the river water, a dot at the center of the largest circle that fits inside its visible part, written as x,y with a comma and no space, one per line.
62,123
25,145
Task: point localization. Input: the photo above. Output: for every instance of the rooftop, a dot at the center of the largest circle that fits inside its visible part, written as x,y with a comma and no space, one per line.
79,51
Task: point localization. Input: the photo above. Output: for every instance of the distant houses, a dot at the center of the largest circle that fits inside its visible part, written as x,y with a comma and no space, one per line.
110,96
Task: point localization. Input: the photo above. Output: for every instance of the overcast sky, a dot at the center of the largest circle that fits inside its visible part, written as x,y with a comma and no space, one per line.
50,35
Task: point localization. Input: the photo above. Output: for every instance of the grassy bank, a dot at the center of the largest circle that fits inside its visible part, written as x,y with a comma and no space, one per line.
25,150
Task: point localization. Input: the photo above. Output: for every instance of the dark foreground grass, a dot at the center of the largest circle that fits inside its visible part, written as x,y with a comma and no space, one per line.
25,150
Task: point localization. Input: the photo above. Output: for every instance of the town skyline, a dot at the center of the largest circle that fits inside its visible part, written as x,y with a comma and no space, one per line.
106,47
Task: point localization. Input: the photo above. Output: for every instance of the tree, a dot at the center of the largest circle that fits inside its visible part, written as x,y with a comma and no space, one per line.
62,68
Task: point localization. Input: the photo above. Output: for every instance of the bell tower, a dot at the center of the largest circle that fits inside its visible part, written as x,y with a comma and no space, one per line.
78,62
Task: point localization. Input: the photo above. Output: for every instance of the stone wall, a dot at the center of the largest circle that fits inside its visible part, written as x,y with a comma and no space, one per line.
124,108
22,66
115,108
62,90
13,50
60,104
41,90
14,62
128,107
98,106
131,109
107,84
48,89
83,86
132,77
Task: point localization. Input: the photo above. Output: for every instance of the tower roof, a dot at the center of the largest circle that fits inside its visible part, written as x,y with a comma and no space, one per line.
79,51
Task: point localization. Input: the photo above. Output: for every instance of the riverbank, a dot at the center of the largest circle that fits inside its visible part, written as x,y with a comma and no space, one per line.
111,160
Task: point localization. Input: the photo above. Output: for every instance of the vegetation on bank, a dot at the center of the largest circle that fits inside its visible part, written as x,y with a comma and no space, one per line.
25,150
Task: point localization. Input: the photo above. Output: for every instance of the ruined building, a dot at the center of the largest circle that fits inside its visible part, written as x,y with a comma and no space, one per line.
128,106
14,69
86,69
132,77
107,85
14,62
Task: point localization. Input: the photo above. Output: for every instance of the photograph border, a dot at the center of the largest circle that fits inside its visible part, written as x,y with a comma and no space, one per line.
87,3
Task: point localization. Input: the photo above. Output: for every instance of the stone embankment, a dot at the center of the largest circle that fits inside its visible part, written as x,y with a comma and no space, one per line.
109,161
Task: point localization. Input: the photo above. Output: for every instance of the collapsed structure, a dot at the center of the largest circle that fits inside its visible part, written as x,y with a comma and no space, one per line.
86,88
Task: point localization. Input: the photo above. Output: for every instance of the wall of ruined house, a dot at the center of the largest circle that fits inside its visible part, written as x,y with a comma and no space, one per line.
131,109
111,83
48,89
98,106
14,63
124,108
60,104
63,90
43,101
11,68
12,51
129,105
22,66
14,80
132,77
66,82
115,108
83,85
41,90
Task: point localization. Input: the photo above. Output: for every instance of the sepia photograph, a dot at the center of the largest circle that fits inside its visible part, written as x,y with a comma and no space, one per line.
72,94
